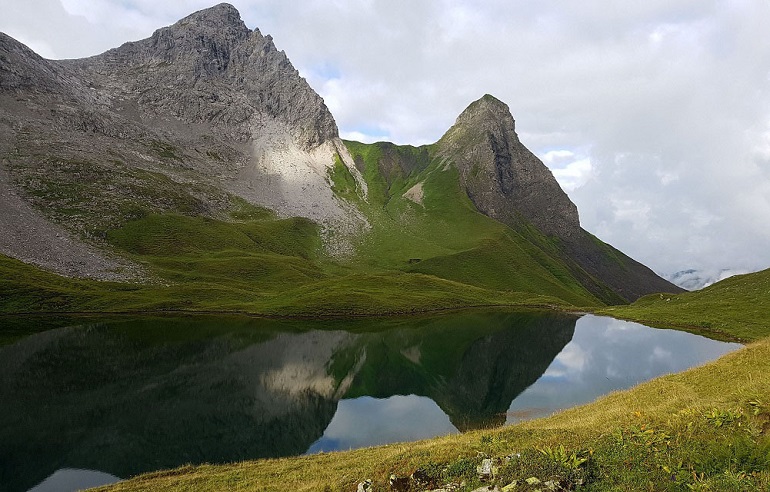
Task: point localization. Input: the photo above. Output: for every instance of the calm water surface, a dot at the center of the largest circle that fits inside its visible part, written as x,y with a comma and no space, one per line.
89,404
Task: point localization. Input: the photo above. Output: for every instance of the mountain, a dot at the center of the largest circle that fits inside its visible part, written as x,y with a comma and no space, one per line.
502,178
507,182
200,158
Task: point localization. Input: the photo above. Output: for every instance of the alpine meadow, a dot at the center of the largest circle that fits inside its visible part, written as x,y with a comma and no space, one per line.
183,209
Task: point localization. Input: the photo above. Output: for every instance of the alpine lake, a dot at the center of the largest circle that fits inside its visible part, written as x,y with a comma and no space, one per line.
88,402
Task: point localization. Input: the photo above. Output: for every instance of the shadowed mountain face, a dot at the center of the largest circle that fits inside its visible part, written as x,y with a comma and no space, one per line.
130,397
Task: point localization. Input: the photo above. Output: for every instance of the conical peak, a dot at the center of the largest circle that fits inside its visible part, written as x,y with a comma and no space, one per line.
490,103
487,114
221,22
222,14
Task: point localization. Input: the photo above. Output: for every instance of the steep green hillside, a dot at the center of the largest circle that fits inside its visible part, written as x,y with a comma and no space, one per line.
427,248
735,308
422,221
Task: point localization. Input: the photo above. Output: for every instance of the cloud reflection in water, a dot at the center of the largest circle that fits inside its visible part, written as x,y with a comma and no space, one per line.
606,355
368,421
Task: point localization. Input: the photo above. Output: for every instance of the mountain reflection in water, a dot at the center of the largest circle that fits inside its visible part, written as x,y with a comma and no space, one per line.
126,397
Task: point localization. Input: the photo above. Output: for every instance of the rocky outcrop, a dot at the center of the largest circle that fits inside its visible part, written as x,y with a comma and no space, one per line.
210,69
505,181
502,177
23,71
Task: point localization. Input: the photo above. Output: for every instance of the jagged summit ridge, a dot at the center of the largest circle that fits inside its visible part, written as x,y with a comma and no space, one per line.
489,112
210,69
206,37
502,177
218,15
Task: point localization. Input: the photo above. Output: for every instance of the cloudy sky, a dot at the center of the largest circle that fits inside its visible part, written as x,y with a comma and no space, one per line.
654,116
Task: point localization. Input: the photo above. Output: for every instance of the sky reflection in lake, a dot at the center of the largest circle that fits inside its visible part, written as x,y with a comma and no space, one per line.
368,421
606,355
603,355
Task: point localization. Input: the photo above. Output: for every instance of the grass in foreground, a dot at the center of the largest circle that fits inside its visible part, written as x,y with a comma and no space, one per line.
705,429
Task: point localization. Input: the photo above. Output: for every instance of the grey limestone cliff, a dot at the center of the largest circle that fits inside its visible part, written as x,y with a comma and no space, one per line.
203,113
502,177
209,68
507,182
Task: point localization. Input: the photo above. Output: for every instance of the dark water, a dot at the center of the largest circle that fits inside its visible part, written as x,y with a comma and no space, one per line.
82,405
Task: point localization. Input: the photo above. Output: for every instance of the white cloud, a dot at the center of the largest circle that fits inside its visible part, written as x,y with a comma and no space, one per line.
363,137
570,170
664,104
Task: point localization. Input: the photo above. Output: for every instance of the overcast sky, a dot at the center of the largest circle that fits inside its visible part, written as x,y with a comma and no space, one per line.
654,115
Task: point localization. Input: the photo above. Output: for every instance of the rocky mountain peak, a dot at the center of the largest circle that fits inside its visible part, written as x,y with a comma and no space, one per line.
487,113
210,69
502,177
211,33
219,15
202,42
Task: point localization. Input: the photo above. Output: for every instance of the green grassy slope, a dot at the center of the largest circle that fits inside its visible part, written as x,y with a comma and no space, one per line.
735,308
262,265
443,235
428,248
437,252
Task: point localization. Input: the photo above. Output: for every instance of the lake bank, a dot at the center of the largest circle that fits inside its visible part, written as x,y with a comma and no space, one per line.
167,391
664,427
705,428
